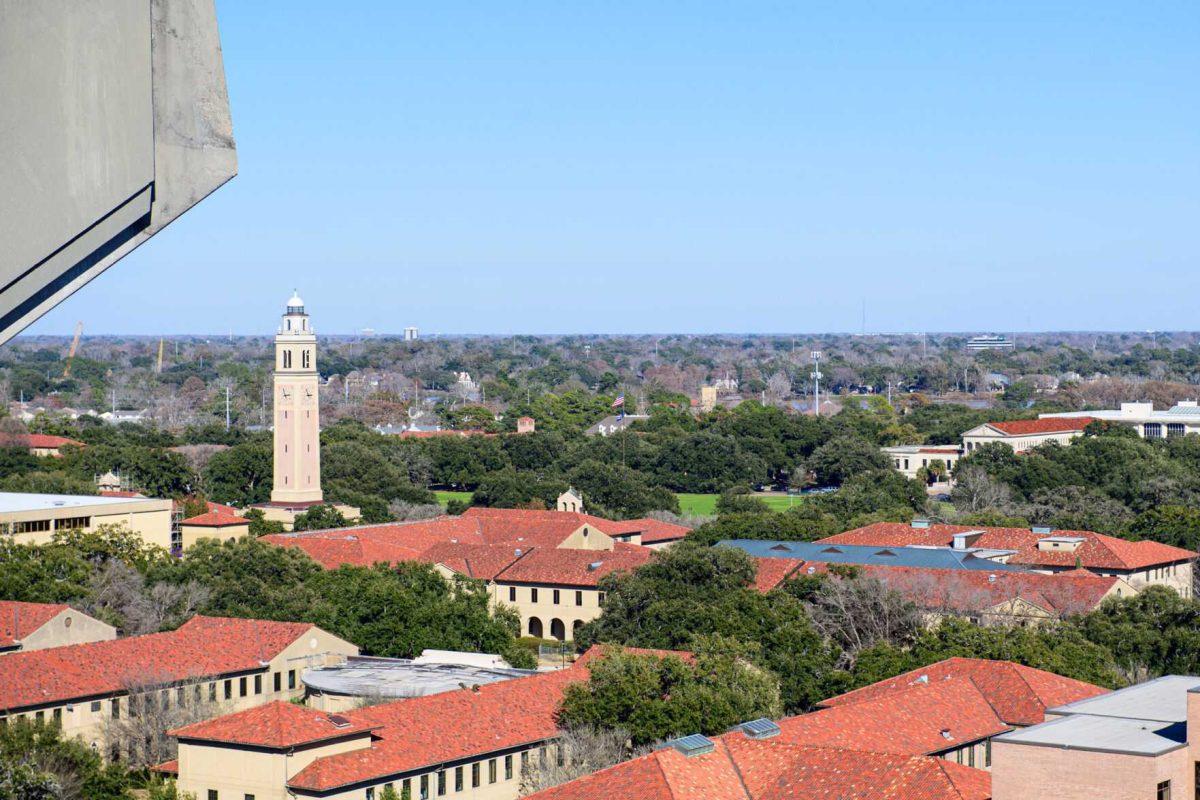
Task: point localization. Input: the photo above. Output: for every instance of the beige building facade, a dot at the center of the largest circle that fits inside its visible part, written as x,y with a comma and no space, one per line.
39,626
84,714
909,459
35,518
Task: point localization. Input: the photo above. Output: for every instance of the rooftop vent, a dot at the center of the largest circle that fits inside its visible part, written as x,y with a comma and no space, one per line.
812,570
517,552
339,721
1042,530
782,548
920,523
761,728
923,679
885,553
831,550
693,745
992,578
595,565
946,734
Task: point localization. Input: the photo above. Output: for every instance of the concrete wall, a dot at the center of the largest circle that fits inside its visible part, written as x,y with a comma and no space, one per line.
149,519
1028,772
190,534
235,772
587,538
571,609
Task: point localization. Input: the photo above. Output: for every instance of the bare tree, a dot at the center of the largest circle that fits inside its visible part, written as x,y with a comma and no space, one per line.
403,511
118,590
150,709
577,752
859,612
977,491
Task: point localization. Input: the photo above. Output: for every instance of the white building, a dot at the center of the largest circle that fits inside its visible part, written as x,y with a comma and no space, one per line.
1178,420
910,458
1025,434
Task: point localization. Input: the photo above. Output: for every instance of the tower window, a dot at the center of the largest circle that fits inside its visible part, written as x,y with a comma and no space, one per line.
306,359
287,359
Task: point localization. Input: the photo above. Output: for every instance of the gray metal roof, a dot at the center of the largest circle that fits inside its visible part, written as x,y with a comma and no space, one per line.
1163,699
1140,737
928,557
362,676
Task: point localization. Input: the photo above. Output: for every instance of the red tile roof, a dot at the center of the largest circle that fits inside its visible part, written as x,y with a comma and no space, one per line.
603,650
18,620
1019,694
574,567
771,769
216,519
920,720
439,728
1026,427
483,561
390,543
1061,595
1097,551
201,647
653,531
277,725
773,571
533,528
45,441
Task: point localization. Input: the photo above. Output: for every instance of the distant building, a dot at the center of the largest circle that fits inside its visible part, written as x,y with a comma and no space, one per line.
410,334
297,429
989,342
1180,419
910,458
217,524
613,424
570,500
1139,742
46,445
1140,563
708,398
37,626
526,425
1025,434
34,518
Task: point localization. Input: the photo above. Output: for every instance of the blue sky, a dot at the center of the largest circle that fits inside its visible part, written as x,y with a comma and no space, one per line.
657,167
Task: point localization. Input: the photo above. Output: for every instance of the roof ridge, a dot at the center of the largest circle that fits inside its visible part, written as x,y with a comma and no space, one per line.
737,770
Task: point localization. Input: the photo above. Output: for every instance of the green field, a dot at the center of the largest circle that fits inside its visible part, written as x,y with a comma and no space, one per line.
692,504
446,497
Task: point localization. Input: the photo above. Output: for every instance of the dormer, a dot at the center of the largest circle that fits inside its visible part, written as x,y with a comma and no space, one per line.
966,539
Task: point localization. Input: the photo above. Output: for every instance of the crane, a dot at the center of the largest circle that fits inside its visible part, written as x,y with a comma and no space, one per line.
74,347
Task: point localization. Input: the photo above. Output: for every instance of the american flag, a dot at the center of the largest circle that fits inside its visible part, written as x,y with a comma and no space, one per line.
619,402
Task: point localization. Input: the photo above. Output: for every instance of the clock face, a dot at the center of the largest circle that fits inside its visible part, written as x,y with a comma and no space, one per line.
285,393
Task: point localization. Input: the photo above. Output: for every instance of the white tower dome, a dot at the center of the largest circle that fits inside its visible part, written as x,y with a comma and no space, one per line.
295,305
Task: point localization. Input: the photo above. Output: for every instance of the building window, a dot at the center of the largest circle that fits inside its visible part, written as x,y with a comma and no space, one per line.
291,679
370,793
248,797
58,717
475,775
242,688
1175,429
602,598
212,692
212,794
533,595
229,690
1152,430
579,598
287,359
72,523
116,708
258,684
1164,791
987,753
424,787
971,756
556,597
95,706
31,526
508,764
278,681
305,359
492,770
406,787
441,783
458,779
512,594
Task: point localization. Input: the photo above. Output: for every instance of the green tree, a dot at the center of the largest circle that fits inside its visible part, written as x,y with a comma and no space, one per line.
66,762
241,475
612,490
839,459
319,518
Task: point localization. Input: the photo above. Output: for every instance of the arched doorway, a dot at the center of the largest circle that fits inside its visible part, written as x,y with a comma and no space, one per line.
558,630
535,627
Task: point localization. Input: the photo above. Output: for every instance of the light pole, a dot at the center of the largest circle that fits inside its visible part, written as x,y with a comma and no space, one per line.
816,377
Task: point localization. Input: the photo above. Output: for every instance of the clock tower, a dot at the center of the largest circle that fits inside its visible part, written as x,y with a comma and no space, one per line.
297,411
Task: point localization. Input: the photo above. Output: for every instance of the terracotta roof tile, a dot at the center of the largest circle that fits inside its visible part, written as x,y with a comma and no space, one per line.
773,571
18,620
45,441
574,567
276,725
483,561
1019,694
1097,551
1026,427
215,519
201,647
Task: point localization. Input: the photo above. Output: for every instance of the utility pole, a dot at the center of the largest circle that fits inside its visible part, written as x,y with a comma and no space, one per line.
226,408
816,377
889,393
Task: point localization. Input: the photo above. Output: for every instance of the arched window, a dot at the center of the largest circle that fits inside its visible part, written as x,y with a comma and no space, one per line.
287,359
535,627
558,630
305,358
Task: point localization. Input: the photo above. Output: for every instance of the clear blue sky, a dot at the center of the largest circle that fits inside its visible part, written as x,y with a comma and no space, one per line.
693,167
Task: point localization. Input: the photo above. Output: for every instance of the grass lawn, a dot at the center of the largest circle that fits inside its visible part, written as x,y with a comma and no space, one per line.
707,503
446,497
